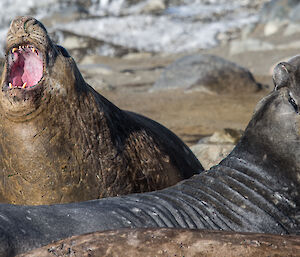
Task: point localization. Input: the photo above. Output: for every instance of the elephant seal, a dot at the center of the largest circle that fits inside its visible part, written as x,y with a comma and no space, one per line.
171,242
254,189
61,141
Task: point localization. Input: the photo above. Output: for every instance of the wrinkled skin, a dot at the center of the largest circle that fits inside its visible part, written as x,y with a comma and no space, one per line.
60,141
273,134
255,189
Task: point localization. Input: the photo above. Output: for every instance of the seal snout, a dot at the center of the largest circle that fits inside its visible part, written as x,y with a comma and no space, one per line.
282,75
19,25
25,30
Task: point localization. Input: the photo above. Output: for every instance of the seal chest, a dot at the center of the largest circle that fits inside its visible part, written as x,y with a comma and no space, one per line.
61,141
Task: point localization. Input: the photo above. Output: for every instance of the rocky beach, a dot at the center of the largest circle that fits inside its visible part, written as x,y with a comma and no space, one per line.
197,67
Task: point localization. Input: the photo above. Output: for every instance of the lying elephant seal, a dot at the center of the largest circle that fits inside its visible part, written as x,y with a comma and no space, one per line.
61,141
255,189
171,242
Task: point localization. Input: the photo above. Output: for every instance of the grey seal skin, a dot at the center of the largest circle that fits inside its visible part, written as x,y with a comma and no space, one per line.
255,189
61,141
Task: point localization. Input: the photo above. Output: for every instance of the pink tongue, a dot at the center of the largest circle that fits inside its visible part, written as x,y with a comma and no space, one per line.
28,67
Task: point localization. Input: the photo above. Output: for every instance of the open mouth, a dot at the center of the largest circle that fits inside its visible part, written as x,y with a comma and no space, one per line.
25,67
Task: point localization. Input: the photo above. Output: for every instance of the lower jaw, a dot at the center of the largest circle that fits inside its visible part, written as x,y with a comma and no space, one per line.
25,87
21,104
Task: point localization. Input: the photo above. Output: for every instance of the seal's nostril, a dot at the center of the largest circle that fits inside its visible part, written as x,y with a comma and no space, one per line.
21,24
28,23
17,25
27,30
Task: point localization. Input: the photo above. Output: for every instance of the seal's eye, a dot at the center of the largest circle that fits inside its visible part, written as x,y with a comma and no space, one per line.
293,103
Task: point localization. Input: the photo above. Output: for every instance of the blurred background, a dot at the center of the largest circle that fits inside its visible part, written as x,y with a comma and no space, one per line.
199,67
122,26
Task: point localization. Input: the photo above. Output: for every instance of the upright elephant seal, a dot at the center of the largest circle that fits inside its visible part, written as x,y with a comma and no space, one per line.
255,189
61,141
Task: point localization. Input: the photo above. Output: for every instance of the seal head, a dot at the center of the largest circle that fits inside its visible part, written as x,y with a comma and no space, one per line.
273,134
32,69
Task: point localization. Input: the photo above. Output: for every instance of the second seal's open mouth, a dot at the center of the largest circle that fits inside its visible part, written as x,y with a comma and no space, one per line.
25,67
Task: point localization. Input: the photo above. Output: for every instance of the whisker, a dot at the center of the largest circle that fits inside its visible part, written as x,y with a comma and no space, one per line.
287,113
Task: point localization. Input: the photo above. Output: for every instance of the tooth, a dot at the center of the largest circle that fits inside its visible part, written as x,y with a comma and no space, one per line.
14,49
24,85
10,85
33,49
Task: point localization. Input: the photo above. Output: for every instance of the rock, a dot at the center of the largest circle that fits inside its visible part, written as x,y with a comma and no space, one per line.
74,42
136,56
127,7
153,6
294,14
81,46
278,10
206,73
211,154
228,135
291,29
273,27
150,6
98,82
248,45
211,150
95,68
289,45
276,14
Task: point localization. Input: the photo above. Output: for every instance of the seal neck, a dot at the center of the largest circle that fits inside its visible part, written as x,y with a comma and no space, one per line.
252,156
255,161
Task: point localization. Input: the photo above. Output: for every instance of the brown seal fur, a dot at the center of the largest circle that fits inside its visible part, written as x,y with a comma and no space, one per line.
171,242
61,141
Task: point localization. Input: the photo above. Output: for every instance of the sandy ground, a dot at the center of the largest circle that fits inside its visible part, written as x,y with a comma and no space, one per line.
190,115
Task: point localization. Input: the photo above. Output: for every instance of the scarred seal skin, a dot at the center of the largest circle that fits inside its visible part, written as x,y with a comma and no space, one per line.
61,141
255,189
171,242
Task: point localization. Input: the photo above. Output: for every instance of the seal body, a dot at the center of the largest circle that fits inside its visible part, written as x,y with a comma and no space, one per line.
255,189
171,242
61,141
